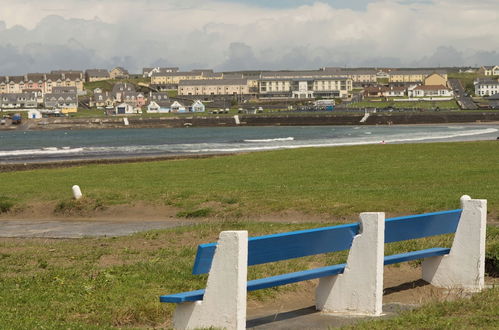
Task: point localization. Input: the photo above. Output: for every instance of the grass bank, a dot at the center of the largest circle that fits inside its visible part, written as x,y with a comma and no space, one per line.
115,282
479,312
338,182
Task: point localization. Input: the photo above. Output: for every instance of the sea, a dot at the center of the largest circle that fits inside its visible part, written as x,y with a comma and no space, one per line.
60,145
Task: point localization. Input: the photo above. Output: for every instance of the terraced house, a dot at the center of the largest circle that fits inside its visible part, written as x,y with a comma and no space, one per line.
62,98
41,81
486,87
92,75
304,84
18,100
358,76
126,93
174,78
214,87
414,76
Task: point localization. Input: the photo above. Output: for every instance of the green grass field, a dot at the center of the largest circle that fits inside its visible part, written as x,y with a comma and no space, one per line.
115,282
341,181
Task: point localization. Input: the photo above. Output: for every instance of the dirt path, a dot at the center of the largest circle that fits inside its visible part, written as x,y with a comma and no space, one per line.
79,229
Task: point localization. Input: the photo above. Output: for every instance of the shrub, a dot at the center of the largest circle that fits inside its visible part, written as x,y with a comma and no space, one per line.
6,204
81,206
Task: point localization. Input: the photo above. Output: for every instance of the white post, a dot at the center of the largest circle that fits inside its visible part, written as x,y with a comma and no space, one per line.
224,302
359,290
464,266
77,192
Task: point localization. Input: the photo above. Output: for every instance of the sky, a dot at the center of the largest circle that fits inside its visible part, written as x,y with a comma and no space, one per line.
39,36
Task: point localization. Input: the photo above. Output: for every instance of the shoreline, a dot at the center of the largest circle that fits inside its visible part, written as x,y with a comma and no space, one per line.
307,119
65,163
26,166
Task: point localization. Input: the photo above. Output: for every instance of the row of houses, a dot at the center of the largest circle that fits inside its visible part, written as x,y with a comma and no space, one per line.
125,99
414,91
63,99
166,106
122,92
327,82
44,82
41,82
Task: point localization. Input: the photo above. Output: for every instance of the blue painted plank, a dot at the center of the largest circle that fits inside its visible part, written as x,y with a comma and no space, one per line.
270,248
421,254
178,298
276,247
263,283
421,225
305,275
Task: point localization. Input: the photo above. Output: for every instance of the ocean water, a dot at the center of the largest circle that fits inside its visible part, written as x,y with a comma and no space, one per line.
40,146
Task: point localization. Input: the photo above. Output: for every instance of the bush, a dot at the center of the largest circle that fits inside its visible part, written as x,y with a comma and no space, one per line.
81,206
6,204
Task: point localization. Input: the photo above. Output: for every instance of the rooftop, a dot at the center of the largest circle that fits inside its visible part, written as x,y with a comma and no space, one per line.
431,87
218,82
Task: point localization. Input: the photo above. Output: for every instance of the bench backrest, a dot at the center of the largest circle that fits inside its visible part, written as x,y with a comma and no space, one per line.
284,246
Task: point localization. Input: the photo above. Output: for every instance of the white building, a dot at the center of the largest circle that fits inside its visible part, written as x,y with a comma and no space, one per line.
304,84
124,108
486,87
158,106
197,106
430,91
177,107
34,114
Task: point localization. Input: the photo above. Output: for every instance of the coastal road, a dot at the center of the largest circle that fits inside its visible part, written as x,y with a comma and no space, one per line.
464,101
79,229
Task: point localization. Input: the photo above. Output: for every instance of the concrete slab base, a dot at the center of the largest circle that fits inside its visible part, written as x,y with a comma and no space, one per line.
310,318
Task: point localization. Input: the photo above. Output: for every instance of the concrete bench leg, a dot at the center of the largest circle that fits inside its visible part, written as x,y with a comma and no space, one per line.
464,266
359,290
224,302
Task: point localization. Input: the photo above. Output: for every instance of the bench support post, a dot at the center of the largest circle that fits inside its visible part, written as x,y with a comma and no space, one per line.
224,302
464,266
359,290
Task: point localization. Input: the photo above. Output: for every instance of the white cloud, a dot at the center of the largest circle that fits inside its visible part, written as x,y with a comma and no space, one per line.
224,35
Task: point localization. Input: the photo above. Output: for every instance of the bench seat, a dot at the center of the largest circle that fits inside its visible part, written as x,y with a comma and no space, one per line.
305,275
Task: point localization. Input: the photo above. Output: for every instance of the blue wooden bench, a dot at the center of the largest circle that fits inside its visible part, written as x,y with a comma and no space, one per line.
277,247
375,232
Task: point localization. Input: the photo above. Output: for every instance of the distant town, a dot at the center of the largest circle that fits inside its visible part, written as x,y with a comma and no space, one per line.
97,92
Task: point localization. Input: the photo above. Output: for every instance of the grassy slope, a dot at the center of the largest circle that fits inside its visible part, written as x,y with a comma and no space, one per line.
115,282
466,79
340,181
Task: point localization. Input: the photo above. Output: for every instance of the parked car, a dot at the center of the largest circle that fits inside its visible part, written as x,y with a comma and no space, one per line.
16,119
